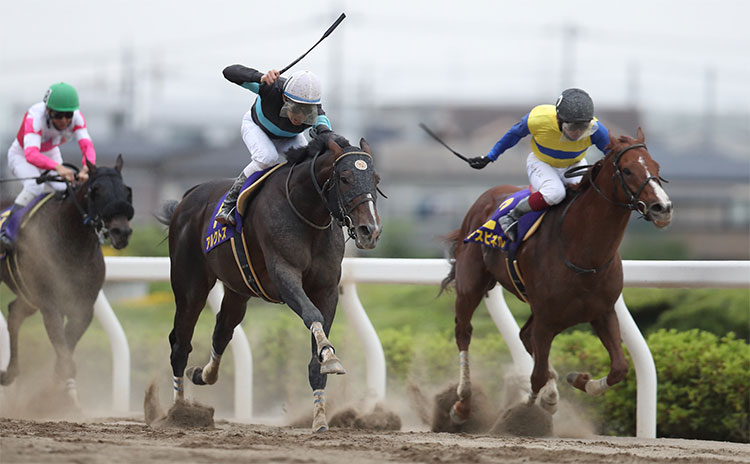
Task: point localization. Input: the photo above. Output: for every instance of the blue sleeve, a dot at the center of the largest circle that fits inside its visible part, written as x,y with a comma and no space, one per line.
600,138
516,133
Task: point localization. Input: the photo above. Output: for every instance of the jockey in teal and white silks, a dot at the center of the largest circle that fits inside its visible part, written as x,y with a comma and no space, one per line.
47,125
283,110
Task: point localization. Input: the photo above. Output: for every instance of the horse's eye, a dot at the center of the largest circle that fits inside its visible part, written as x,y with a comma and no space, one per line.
626,171
347,178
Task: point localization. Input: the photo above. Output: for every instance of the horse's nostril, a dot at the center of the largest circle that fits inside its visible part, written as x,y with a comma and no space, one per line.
365,230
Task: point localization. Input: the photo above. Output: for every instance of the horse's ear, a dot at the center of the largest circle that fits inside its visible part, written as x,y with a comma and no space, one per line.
639,135
118,163
364,146
335,148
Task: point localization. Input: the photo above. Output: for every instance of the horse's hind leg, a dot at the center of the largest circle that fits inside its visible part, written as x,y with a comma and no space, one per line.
18,310
233,307
608,329
469,293
190,291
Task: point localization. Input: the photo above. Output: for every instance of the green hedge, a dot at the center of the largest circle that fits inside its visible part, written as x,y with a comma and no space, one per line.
703,380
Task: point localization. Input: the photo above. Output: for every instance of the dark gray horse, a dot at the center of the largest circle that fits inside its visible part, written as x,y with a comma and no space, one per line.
295,247
58,268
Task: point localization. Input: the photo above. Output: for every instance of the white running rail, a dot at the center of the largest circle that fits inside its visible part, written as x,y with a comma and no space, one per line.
644,274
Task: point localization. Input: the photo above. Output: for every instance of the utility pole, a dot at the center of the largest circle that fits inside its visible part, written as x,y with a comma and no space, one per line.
709,109
570,34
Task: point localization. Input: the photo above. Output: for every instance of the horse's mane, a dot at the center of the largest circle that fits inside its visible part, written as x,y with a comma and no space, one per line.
594,169
318,145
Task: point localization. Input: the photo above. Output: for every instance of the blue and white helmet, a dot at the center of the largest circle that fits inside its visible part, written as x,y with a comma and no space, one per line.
303,87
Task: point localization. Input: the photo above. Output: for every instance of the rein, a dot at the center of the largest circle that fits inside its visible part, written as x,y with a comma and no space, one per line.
634,205
339,209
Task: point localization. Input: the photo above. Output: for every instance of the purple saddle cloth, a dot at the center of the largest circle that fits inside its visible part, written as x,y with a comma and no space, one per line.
12,226
491,235
218,234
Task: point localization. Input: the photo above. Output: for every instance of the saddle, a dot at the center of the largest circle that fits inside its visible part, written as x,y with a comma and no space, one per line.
21,217
216,234
491,234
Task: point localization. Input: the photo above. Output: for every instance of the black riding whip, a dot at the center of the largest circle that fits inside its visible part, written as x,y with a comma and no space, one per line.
434,136
327,33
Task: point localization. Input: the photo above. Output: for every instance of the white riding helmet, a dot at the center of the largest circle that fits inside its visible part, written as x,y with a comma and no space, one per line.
303,87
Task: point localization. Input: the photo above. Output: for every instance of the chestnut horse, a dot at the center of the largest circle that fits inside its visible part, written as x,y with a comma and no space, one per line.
57,266
295,246
571,266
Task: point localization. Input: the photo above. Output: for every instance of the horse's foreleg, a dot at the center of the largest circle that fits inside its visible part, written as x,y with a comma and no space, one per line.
329,362
540,375
65,369
17,312
608,330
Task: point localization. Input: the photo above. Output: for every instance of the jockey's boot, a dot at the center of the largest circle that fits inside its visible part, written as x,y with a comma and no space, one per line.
509,222
6,244
226,212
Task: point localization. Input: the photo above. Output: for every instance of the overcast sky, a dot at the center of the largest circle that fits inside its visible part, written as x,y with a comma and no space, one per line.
681,55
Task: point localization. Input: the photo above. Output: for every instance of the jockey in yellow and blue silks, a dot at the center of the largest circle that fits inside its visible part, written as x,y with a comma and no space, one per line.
561,134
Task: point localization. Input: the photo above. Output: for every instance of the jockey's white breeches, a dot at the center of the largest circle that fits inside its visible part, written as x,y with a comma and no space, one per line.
549,180
19,167
264,151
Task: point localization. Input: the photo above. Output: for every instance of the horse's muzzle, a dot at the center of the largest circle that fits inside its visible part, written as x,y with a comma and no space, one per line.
660,213
367,235
119,233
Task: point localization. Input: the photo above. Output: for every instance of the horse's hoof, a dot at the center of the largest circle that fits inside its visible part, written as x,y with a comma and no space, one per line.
578,380
195,374
459,417
550,407
6,378
322,429
332,366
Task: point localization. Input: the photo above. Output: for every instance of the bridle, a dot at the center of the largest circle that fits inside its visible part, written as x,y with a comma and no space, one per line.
339,204
91,215
634,203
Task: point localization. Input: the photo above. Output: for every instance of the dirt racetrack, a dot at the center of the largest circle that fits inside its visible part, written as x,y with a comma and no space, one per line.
130,440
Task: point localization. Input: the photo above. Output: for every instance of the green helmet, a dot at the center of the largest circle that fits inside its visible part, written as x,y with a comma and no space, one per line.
61,97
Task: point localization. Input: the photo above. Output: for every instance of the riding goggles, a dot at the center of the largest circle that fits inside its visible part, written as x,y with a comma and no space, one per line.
575,131
308,113
60,114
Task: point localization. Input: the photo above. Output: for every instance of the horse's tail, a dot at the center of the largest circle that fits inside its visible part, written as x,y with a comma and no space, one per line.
452,239
167,210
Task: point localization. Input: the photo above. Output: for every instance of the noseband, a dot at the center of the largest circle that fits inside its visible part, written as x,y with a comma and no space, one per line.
91,215
339,204
634,203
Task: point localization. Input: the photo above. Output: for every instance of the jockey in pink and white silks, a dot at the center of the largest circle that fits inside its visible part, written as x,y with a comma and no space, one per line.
47,125
283,110
561,134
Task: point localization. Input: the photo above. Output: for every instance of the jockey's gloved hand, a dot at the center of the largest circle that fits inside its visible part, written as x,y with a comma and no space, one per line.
317,131
479,162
